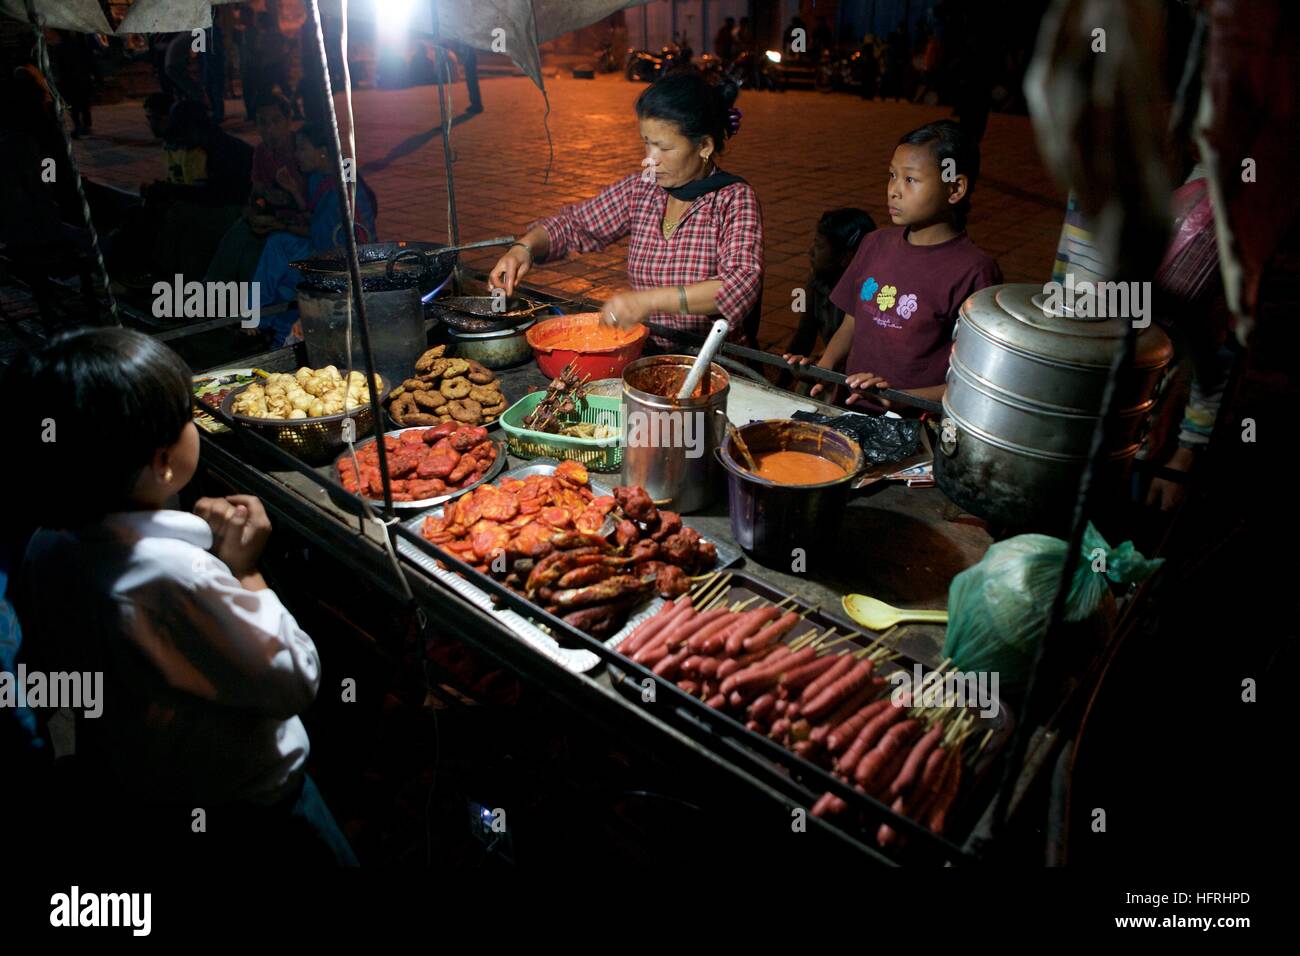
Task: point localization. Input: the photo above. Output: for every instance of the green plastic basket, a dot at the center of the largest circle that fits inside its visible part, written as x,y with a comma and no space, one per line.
597,454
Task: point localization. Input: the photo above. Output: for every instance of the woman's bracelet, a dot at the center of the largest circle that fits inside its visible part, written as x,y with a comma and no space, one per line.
524,247
682,306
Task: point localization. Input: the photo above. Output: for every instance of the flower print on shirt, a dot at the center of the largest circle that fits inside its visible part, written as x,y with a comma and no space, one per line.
906,305
869,289
885,300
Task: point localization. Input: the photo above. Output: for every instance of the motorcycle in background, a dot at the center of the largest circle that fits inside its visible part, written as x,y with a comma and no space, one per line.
645,67
758,72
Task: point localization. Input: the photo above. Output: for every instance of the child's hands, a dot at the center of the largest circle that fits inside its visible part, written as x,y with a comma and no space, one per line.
240,529
860,382
817,387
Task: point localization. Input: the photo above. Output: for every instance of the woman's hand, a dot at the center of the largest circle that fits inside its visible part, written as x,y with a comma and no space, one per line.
860,382
290,185
626,309
1168,495
510,268
240,529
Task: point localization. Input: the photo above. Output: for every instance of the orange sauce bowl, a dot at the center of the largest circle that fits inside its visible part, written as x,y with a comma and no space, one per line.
598,350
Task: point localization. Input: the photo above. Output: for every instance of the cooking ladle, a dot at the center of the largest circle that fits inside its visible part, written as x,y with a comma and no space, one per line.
878,616
704,359
739,442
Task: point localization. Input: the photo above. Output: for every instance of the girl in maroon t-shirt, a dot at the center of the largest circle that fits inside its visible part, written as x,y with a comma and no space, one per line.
901,293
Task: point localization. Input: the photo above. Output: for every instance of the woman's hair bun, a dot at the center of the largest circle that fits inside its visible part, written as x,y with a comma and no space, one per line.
695,104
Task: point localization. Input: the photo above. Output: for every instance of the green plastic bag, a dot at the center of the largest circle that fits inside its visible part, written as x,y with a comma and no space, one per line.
998,609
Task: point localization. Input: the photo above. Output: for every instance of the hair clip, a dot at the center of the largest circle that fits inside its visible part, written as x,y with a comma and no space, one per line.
733,121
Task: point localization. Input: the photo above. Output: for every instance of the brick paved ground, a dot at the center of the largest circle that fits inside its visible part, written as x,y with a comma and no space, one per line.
804,152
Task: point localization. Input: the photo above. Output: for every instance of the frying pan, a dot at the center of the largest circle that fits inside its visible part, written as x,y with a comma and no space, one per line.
387,266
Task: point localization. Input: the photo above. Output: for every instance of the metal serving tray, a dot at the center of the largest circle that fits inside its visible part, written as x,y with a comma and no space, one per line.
423,503
574,659
744,586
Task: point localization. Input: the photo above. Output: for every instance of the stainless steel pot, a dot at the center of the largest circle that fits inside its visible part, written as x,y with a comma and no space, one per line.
501,348
1024,390
669,443
771,521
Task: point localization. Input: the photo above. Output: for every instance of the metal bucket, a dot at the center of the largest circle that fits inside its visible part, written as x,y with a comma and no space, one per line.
669,444
394,279
397,335
770,520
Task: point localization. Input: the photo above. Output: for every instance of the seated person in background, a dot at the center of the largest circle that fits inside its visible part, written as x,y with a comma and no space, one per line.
277,279
181,219
218,168
275,201
839,232
901,293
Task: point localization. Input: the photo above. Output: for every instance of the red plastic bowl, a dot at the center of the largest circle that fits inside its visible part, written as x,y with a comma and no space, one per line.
548,337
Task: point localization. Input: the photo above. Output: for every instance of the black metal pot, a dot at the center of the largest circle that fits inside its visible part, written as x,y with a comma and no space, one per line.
771,521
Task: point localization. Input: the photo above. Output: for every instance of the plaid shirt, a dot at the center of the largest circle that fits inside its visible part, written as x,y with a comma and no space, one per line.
719,237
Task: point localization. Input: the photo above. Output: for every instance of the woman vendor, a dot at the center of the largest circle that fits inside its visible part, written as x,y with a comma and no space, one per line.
696,233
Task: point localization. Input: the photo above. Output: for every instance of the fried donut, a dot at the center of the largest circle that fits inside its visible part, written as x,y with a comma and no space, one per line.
496,409
423,363
457,387
434,371
486,394
455,368
402,405
443,419
429,399
397,392
479,373
421,418
414,385
465,410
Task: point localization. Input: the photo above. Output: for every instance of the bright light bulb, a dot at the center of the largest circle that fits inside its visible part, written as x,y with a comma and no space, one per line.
394,16
774,56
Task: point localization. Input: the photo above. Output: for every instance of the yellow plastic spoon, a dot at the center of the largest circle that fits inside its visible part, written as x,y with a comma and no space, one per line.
878,616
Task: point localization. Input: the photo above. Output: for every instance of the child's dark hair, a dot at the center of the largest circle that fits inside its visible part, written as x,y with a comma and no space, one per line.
93,407
694,105
948,139
844,228
272,100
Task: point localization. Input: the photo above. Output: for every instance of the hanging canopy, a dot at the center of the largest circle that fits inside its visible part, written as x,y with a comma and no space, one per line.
145,16
81,16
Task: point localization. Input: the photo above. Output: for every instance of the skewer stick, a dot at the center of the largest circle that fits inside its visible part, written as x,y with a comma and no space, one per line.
716,591
707,579
803,639
741,605
839,640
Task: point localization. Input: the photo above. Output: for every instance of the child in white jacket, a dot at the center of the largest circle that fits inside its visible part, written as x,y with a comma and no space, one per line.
204,670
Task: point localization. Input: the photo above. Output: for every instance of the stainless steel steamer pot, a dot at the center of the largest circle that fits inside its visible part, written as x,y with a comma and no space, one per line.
1024,390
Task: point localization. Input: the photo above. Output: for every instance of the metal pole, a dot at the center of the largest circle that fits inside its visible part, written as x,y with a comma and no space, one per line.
354,264
102,285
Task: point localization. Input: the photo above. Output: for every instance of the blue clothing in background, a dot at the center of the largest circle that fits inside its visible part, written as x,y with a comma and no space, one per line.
16,723
278,281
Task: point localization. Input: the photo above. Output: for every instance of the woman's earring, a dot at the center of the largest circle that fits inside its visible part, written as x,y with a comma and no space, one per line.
167,476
